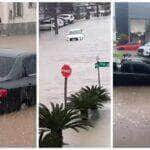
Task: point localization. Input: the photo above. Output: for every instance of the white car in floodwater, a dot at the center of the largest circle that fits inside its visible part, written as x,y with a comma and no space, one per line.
75,34
144,49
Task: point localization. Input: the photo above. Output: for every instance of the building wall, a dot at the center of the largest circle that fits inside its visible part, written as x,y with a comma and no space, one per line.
11,25
131,17
121,12
4,12
139,10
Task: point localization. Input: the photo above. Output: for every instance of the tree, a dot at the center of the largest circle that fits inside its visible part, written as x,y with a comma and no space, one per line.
53,122
89,98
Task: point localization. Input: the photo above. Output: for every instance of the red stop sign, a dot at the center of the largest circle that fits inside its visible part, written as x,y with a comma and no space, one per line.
66,71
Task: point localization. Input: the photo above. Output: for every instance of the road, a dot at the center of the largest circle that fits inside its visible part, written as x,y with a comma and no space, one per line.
81,56
18,129
131,115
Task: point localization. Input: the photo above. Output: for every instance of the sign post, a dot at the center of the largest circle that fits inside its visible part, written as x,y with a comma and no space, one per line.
98,71
99,64
66,72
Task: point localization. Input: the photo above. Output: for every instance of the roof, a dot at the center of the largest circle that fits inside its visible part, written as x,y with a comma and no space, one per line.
75,29
13,52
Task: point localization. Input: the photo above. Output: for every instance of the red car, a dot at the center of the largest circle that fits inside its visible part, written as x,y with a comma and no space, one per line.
129,46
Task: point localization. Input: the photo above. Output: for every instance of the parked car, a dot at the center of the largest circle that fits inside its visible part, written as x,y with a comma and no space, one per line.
75,34
68,18
129,46
17,80
104,12
144,50
132,72
48,23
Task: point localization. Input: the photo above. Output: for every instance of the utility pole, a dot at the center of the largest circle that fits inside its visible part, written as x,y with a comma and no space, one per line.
98,72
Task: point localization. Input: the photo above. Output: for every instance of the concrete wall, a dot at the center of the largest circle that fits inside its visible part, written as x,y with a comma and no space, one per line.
121,16
25,24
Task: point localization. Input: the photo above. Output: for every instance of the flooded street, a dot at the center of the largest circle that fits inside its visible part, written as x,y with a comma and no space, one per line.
132,119
81,56
18,128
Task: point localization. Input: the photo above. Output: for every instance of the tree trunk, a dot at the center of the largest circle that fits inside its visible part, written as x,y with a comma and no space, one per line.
84,114
97,10
57,137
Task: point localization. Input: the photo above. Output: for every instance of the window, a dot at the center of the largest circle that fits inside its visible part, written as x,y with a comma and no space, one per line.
6,64
29,65
126,68
18,9
31,5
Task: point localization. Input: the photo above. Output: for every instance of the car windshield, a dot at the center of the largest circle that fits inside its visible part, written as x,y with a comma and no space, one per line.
6,64
75,32
65,16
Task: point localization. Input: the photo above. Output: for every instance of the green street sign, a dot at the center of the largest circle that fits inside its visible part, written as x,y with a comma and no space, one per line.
101,64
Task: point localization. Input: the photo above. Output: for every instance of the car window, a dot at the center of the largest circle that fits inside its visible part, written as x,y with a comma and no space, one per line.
141,68
75,32
6,64
29,65
126,67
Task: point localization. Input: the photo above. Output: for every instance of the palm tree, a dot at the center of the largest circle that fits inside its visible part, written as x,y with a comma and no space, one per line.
89,98
53,122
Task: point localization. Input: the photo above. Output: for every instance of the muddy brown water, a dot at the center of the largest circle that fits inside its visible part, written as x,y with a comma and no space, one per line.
18,129
131,116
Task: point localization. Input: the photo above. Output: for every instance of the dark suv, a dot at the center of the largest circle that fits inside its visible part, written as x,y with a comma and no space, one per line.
17,80
132,72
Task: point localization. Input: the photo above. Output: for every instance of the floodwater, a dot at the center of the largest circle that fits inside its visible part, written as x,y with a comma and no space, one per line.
132,116
81,56
18,129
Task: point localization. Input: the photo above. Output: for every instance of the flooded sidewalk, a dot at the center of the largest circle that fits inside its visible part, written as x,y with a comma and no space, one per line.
18,129
19,42
131,116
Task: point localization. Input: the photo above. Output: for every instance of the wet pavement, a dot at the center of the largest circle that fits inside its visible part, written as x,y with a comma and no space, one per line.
18,129
81,56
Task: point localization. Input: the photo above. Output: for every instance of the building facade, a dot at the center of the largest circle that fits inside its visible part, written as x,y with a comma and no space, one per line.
17,18
132,18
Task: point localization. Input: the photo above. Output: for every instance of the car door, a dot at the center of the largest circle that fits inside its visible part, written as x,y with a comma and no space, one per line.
141,73
124,76
29,90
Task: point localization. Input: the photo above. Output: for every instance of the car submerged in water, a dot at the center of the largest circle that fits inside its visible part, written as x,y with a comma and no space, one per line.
17,80
132,71
75,34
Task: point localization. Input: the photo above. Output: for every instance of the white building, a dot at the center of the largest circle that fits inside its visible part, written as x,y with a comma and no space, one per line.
17,18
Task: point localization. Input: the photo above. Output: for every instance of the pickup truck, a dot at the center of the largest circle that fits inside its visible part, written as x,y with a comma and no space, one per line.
131,72
17,80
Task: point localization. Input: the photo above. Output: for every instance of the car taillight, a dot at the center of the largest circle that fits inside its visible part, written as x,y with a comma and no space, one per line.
3,93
